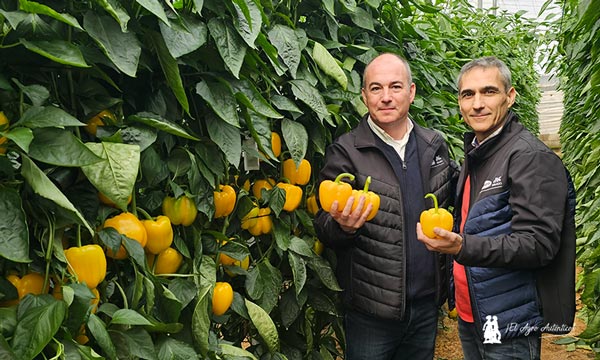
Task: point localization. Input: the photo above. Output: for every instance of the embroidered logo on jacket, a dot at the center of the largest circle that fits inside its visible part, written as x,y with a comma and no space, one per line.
438,161
492,185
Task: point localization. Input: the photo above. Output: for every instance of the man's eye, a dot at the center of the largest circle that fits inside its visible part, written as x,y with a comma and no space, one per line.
375,89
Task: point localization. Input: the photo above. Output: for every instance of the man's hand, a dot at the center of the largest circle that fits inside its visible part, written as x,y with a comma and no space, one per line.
350,221
446,241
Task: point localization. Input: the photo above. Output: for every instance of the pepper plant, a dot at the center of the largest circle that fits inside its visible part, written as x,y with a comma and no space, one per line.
142,109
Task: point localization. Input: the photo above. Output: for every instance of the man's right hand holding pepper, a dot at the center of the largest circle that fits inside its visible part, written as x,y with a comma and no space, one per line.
350,221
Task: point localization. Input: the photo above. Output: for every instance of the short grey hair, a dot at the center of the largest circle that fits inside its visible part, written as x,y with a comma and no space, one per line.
488,62
403,60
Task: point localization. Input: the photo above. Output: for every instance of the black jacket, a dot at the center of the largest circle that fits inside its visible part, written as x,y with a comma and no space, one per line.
519,236
371,262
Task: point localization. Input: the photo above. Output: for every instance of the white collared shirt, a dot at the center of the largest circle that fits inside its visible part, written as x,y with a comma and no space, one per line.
398,145
476,143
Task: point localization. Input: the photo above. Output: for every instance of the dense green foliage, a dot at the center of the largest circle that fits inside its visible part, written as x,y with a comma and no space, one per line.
197,88
577,61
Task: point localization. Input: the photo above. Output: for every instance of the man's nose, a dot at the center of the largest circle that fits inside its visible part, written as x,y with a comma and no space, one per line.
478,102
386,94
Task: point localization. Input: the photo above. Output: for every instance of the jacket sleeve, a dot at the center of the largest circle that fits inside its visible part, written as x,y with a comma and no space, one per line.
337,161
538,194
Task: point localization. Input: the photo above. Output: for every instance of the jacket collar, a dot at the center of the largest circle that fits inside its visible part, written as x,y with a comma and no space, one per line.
509,129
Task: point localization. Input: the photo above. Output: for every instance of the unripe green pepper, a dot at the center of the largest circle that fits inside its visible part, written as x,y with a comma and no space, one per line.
182,211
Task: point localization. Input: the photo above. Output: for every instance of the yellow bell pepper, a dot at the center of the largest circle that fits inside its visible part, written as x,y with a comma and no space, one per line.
32,283
435,217
370,198
330,191
224,201
4,124
87,263
293,196
182,211
299,175
167,262
311,205
129,225
275,143
258,221
258,185
160,234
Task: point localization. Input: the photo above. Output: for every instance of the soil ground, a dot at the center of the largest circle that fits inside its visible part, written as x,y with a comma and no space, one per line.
448,344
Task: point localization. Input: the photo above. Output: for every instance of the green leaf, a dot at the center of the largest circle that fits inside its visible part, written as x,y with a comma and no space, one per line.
288,47
58,51
264,324
135,343
298,266
6,351
248,95
100,334
185,36
248,20
221,100
324,272
38,94
116,10
60,147
48,116
14,233
37,8
231,48
160,123
235,352
263,284
329,65
171,70
122,48
21,136
114,176
201,321
362,19
36,328
309,95
227,137
129,317
296,139
43,186
156,8
300,247
173,349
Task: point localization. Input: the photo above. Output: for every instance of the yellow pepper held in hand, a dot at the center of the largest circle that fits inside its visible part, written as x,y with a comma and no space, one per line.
330,191
293,196
224,201
435,217
370,198
87,263
182,211
160,234
297,175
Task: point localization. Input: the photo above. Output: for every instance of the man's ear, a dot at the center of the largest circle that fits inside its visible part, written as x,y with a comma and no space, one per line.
512,94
